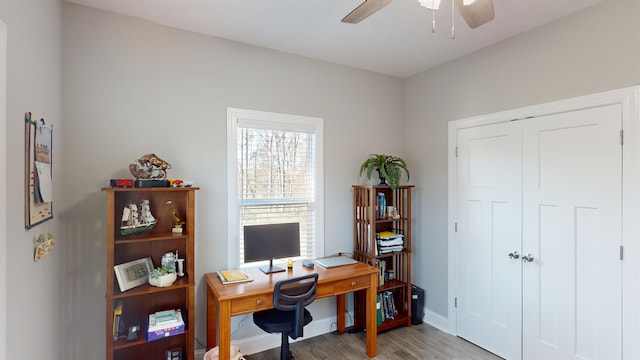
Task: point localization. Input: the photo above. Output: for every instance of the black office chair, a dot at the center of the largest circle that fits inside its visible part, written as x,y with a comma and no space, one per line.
290,297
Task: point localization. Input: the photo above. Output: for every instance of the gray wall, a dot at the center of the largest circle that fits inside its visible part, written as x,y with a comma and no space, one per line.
35,290
3,190
592,51
132,87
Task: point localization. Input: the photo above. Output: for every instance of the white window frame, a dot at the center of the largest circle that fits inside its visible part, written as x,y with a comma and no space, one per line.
233,220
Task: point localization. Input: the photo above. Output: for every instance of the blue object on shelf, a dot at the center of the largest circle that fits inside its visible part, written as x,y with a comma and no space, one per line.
382,205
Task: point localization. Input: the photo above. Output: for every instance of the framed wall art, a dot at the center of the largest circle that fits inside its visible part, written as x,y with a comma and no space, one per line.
38,181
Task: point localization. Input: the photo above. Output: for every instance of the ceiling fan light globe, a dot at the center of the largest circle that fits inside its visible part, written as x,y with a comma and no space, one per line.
431,4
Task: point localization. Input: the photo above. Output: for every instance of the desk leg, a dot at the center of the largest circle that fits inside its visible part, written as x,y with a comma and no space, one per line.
224,332
212,319
341,309
372,326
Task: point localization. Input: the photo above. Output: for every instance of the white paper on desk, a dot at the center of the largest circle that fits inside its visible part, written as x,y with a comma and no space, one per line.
44,181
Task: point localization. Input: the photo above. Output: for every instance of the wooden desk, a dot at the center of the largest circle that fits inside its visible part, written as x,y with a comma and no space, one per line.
225,301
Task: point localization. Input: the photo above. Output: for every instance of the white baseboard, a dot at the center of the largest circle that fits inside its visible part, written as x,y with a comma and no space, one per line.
262,342
199,354
438,321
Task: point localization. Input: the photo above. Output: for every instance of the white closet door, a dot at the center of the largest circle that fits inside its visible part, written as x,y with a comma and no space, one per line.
572,174
489,228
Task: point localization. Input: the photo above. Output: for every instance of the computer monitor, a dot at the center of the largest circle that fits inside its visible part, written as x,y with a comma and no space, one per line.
271,241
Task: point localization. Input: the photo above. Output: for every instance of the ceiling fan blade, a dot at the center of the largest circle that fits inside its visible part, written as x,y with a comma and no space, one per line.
364,10
476,14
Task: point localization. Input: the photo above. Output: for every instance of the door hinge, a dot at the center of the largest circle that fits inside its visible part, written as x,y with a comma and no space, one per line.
455,302
455,227
621,252
621,137
456,151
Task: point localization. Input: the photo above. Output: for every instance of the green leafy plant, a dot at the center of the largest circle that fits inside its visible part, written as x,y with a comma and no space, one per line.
160,271
389,168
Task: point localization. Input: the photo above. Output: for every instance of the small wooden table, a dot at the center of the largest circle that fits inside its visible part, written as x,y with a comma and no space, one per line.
225,301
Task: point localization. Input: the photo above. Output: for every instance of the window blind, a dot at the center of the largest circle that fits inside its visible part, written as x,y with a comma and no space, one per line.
276,178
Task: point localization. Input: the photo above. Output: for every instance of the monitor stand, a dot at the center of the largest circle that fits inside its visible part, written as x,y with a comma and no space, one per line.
268,269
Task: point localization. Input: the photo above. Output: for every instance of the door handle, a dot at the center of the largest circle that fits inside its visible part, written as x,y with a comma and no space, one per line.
514,255
527,258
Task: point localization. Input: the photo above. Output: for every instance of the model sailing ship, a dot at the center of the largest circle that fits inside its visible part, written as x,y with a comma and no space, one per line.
134,221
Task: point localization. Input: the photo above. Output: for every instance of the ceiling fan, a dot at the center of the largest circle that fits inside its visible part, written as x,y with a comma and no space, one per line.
475,13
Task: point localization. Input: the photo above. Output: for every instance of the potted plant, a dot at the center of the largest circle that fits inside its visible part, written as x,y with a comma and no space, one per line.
162,276
389,169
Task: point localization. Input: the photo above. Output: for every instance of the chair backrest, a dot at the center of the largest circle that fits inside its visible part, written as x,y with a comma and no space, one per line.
293,295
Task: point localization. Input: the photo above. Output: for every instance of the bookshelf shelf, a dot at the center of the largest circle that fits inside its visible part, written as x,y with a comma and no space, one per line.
147,289
132,239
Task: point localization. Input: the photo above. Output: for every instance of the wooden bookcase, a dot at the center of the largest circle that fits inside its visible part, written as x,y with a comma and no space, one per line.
145,299
366,224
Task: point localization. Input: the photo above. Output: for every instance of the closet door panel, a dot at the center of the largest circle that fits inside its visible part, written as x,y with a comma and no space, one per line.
572,171
488,203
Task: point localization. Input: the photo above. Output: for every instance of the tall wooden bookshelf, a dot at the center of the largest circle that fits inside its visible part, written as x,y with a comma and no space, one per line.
366,225
140,301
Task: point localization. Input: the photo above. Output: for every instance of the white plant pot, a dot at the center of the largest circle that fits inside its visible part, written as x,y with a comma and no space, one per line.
164,280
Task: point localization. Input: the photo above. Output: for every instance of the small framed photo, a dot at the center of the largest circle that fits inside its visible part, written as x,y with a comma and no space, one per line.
133,273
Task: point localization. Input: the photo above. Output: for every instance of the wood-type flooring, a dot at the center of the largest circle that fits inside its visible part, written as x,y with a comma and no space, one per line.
418,342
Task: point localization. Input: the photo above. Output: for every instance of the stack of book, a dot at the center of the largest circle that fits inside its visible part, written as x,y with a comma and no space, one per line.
164,324
385,307
389,241
233,276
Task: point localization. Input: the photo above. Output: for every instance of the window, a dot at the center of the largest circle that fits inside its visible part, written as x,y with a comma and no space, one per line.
274,176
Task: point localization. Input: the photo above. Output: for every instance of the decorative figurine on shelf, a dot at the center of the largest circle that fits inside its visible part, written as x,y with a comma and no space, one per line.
169,261
149,167
180,183
136,221
180,265
165,275
177,220
162,277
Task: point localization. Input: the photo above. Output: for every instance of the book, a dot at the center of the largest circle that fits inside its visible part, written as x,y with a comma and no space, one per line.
391,242
379,310
118,325
388,235
391,309
166,315
382,268
158,330
233,276
389,249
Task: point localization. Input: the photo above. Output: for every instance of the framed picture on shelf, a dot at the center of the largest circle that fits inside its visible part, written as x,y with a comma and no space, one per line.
133,273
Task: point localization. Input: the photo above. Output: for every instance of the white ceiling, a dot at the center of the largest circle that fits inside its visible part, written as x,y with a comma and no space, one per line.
397,40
